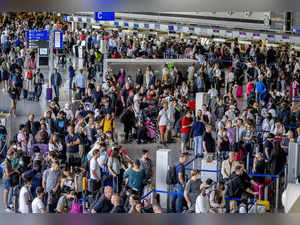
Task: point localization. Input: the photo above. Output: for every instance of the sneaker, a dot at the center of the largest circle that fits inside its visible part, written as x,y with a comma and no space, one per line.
8,210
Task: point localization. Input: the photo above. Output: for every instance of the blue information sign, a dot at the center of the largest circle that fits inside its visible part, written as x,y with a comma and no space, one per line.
295,30
37,35
171,28
104,16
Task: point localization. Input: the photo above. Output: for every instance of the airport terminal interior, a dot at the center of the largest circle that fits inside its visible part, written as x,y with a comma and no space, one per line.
150,112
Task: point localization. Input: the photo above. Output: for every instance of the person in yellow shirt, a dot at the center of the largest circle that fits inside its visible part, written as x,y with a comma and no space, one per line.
108,124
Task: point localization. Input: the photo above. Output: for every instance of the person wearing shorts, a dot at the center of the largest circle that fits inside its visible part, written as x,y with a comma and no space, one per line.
163,120
7,172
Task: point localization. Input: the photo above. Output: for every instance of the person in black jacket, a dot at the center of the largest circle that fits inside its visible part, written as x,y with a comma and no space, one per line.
103,204
237,185
140,77
32,127
56,82
116,201
129,121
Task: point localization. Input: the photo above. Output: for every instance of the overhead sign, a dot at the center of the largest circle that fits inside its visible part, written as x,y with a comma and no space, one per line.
37,38
58,39
104,16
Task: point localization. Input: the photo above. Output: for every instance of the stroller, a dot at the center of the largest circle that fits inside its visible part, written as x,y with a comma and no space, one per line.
146,132
152,133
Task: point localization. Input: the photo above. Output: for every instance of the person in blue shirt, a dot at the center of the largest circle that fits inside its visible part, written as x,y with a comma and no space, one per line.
35,175
179,187
72,142
81,82
198,129
71,75
260,87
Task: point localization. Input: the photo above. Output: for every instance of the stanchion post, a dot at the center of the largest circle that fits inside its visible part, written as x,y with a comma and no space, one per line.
277,193
266,193
248,162
285,176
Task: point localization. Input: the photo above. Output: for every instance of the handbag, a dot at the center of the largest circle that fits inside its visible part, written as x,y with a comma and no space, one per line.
76,208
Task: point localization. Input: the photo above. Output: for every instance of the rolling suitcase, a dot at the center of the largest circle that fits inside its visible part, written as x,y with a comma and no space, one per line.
49,94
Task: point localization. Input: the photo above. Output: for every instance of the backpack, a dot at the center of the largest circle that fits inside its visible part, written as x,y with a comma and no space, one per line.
77,208
171,176
123,116
29,75
232,190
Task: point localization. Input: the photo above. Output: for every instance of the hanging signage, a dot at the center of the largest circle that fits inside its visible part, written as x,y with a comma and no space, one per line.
58,39
243,34
270,37
191,29
179,28
104,16
216,32
37,38
228,33
171,28
256,36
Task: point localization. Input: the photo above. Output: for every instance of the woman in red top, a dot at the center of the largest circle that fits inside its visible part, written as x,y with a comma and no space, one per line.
186,125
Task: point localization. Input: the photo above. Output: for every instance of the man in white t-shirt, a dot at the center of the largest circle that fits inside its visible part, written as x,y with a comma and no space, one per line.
163,120
25,197
95,172
202,202
37,204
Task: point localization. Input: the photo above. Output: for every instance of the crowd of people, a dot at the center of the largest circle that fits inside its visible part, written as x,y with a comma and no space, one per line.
70,160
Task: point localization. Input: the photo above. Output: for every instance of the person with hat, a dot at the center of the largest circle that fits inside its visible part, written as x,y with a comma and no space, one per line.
202,201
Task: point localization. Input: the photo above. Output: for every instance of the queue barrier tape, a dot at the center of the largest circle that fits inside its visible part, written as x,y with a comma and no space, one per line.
209,171
263,175
295,96
181,194
262,131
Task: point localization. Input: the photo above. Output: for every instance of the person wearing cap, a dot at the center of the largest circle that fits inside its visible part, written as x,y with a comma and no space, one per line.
65,202
202,201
